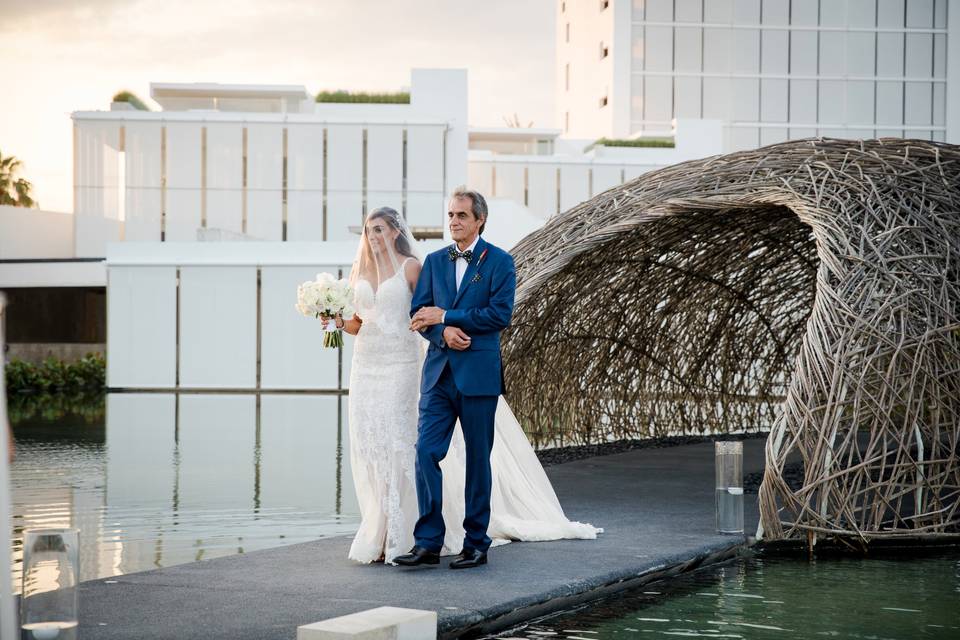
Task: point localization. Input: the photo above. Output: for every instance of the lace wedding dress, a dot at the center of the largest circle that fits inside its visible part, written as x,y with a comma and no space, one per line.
384,393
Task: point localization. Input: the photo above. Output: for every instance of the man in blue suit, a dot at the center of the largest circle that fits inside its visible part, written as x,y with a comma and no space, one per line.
463,300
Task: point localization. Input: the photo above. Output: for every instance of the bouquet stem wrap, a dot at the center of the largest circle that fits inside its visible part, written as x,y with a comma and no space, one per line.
332,336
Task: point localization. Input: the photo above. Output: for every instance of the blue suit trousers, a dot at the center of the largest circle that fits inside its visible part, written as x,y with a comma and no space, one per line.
440,407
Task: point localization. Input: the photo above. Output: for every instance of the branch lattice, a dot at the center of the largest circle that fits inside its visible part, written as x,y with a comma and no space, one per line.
811,288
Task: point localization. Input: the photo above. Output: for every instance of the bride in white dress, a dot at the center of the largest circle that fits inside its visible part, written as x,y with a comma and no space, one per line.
384,393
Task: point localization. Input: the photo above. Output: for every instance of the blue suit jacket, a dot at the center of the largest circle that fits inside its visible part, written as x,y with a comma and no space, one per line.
481,308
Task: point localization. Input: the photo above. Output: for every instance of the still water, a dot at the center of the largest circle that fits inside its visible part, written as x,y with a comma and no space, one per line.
777,598
156,479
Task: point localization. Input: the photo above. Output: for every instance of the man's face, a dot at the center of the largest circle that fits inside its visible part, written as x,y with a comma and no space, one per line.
464,227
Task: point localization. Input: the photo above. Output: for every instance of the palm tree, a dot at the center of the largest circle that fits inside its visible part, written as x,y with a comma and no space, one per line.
13,191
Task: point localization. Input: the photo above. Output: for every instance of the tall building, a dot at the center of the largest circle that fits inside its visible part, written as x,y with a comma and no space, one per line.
769,70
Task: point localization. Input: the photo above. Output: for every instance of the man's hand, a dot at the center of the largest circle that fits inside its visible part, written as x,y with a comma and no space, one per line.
456,339
426,317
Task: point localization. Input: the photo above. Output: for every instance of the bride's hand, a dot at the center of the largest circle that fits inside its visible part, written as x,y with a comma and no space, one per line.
426,317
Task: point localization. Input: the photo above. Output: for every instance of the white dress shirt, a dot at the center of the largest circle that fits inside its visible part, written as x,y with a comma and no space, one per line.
461,267
462,264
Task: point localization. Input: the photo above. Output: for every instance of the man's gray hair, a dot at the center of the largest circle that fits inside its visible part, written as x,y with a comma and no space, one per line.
478,205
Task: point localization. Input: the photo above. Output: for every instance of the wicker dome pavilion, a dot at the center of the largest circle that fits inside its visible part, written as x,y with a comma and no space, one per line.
810,288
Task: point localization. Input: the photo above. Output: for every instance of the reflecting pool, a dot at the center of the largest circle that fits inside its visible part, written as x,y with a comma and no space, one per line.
761,598
158,479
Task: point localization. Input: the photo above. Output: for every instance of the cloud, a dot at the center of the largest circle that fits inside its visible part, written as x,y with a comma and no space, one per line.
21,15
75,55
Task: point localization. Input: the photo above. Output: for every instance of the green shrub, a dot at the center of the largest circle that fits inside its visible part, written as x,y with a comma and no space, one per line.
21,375
132,98
639,142
31,407
399,97
55,375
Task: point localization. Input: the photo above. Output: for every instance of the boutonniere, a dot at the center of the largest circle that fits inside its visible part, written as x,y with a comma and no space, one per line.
477,276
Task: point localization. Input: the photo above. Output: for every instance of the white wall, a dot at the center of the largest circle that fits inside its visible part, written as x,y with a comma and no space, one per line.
206,187
509,222
152,176
442,94
142,326
60,273
143,175
34,233
232,302
548,185
96,189
582,27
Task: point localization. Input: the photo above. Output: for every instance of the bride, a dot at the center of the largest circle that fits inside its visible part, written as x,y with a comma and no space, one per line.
384,393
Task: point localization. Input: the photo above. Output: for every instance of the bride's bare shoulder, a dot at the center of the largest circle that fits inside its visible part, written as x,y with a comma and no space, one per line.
411,270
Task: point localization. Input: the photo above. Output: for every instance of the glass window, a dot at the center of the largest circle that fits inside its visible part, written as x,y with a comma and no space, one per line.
746,99
689,53
659,49
716,50
773,100
746,51
688,11
777,12
861,53
890,13
659,11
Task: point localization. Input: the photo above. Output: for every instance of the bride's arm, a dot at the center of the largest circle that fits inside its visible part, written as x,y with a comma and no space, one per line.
352,326
411,270
423,297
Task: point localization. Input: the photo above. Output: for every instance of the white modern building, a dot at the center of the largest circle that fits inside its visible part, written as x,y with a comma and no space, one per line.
218,205
769,70
265,163
192,306
193,225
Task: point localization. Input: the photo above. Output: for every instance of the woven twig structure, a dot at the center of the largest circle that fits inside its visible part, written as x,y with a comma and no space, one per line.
811,288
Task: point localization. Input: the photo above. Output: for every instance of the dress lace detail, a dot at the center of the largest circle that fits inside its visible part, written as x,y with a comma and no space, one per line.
384,391
383,414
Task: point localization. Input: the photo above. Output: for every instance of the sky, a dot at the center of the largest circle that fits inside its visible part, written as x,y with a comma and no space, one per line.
63,56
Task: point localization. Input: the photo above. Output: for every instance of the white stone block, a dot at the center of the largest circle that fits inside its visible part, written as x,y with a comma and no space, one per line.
382,623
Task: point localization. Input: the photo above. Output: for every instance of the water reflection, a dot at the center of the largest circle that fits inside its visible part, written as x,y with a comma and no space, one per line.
871,598
165,479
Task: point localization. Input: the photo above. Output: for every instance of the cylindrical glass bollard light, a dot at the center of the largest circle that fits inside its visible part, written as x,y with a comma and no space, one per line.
729,487
48,604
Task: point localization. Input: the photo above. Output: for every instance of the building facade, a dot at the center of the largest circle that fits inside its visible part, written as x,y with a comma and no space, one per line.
770,70
265,163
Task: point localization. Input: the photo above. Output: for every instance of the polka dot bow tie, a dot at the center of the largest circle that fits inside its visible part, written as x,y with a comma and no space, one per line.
454,254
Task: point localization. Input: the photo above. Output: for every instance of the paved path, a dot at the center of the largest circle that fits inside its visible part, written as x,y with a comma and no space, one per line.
657,506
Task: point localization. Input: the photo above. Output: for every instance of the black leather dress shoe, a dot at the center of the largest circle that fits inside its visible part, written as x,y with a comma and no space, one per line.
468,559
417,556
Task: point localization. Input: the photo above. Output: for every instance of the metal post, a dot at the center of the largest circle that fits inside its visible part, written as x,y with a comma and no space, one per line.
729,467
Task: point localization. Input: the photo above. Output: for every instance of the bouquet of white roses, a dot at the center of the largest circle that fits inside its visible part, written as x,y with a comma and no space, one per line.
326,297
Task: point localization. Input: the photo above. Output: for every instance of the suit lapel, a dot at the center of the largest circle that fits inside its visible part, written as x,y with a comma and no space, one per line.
450,277
471,270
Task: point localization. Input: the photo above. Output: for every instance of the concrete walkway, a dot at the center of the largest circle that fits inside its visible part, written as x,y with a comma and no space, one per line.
657,506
